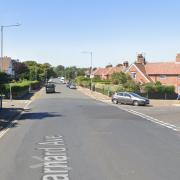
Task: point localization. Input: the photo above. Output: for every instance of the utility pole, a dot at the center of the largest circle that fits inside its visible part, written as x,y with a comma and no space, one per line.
2,41
2,48
2,28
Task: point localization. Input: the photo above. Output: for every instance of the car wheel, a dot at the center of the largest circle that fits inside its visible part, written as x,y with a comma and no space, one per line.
115,101
135,103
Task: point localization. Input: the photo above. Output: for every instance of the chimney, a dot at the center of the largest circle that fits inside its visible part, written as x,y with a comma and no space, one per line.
141,59
126,64
178,58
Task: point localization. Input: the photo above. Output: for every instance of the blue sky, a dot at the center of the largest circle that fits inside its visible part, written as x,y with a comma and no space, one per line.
57,31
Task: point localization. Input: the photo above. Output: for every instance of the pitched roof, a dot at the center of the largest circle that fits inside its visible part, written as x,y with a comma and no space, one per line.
98,71
107,71
167,68
142,68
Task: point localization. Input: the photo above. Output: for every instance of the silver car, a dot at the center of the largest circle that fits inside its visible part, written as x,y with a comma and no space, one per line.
72,86
50,88
129,98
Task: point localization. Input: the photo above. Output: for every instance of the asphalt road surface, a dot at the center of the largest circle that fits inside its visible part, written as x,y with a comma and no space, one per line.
67,135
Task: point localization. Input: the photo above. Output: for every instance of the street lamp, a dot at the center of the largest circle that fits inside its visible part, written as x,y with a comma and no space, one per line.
91,56
2,38
2,33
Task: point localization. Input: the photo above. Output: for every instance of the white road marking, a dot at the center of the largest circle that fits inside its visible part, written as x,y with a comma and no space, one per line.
26,107
11,124
55,159
149,118
4,131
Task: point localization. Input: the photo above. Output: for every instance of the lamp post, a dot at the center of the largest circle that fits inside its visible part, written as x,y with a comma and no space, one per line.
2,44
91,56
2,41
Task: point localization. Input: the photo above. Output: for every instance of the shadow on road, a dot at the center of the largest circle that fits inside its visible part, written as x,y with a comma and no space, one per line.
7,115
39,115
57,92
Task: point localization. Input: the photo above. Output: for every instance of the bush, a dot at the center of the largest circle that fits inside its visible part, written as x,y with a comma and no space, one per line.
18,89
120,78
4,78
158,90
80,79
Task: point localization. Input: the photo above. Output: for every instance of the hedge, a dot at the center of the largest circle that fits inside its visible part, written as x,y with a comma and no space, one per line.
18,89
159,91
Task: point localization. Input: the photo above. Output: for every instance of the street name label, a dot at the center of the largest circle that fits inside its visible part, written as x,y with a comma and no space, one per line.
55,163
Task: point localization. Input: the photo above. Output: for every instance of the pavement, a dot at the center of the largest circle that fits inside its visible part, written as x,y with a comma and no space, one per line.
68,135
12,108
153,102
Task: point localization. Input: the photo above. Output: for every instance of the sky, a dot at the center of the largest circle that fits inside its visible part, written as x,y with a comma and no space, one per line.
58,31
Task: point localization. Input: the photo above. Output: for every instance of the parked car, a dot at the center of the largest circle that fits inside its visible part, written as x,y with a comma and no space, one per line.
72,86
50,88
129,98
62,80
68,84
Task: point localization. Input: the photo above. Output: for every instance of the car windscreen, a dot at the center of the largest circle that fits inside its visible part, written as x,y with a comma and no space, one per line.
50,85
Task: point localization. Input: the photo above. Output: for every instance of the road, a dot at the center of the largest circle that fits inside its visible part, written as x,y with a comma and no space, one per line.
67,135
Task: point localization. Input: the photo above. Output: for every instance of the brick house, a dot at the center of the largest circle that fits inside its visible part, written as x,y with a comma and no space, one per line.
10,66
168,73
106,73
7,65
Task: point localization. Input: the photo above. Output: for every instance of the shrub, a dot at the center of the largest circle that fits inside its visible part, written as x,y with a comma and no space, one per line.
80,79
157,89
18,89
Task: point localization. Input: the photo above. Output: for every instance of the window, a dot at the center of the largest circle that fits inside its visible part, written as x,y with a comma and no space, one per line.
120,94
133,75
162,76
127,95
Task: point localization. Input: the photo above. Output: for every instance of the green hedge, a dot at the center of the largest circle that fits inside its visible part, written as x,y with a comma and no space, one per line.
18,89
159,91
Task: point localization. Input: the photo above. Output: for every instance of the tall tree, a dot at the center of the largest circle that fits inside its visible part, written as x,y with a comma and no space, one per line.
60,70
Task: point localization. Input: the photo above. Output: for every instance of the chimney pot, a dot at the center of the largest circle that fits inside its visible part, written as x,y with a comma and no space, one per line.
141,59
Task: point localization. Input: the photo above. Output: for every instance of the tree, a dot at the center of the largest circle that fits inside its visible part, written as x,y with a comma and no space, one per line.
21,70
32,70
120,78
81,71
71,72
39,72
60,70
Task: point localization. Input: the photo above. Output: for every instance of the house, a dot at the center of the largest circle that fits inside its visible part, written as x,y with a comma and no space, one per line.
106,73
168,73
7,65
